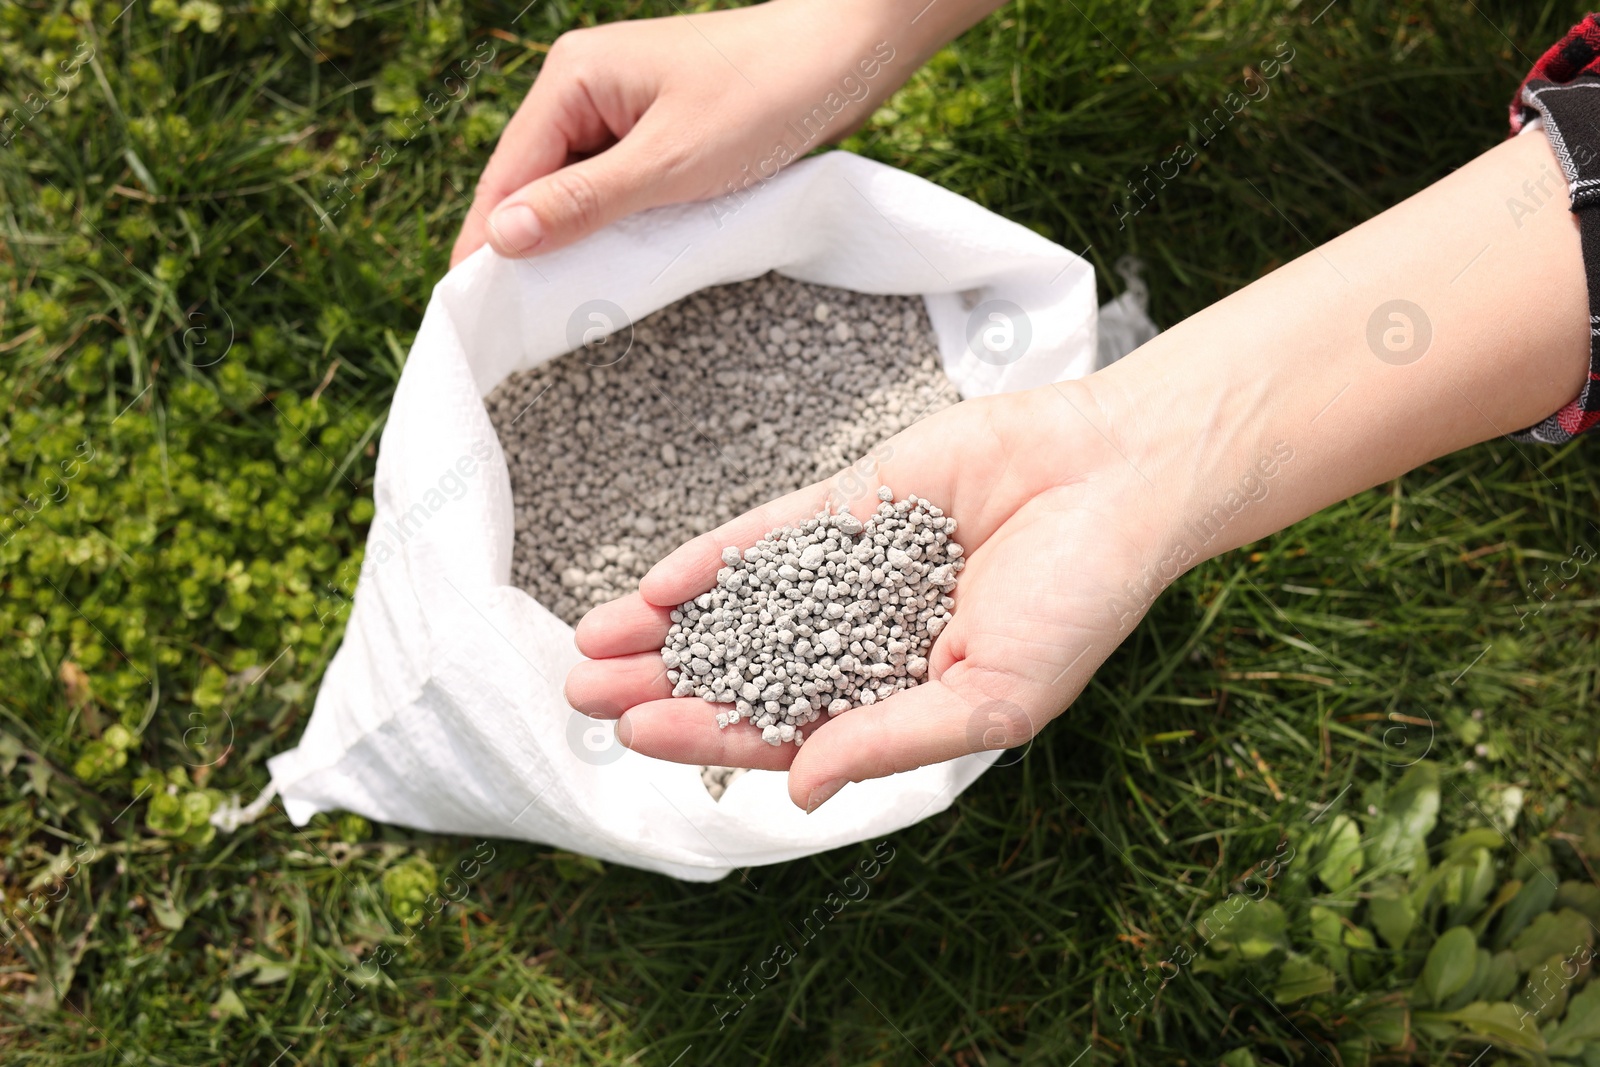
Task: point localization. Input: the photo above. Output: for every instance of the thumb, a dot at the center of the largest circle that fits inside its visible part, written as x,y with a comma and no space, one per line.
928,723
576,200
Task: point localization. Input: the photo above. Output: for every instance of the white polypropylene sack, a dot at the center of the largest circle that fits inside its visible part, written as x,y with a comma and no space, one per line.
443,708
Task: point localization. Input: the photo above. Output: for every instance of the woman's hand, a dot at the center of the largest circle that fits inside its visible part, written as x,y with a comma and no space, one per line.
1057,537
1078,503
631,115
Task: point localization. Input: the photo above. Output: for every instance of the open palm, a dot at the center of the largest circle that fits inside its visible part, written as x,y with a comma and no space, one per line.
1049,516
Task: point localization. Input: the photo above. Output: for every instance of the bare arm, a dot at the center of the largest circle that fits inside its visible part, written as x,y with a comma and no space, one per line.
1078,503
1492,337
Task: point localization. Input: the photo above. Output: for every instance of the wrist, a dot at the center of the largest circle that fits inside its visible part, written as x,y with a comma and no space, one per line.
1223,435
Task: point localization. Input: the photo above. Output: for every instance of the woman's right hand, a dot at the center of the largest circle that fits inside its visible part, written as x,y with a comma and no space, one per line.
631,115
1079,502
1059,531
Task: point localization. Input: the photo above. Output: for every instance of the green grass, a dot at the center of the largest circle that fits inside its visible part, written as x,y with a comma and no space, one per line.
213,521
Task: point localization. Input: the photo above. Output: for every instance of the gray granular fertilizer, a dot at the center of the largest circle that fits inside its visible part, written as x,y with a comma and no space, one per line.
831,614
729,398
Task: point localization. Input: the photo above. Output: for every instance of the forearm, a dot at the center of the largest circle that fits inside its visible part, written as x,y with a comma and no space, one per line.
883,42
922,28
1287,366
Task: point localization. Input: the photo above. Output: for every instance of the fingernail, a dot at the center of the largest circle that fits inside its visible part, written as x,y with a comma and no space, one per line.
624,732
515,230
823,793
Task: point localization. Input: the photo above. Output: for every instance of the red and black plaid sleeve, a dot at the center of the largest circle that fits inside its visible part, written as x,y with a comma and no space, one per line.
1564,88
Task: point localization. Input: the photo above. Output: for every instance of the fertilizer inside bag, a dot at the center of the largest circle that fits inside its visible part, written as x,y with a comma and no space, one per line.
443,708
643,439
624,449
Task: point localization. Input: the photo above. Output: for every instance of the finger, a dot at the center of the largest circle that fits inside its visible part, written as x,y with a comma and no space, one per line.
685,730
641,170
604,688
622,627
555,120
930,723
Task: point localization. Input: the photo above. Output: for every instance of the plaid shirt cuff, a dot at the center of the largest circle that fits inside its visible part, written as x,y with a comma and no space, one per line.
1563,89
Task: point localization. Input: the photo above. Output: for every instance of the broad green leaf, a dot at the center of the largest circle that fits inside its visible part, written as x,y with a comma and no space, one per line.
1223,965
1391,914
1435,1027
1449,965
1366,964
1482,964
1301,977
1411,809
1239,1057
1341,854
1580,1025
1544,995
1327,931
1503,975
1478,837
1389,1024
63,867
38,772
167,915
1580,896
1535,896
1504,895
10,751
1534,861
270,973
1359,939
1246,928
228,1005
1501,1023
266,971
1555,933
1464,884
